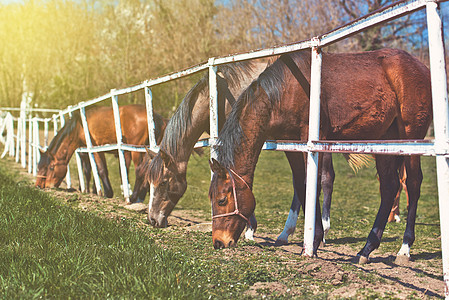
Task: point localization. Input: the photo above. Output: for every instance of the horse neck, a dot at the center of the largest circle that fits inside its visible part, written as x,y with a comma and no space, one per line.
256,125
67,146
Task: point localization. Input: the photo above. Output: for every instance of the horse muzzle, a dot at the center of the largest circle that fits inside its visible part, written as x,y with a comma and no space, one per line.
158,222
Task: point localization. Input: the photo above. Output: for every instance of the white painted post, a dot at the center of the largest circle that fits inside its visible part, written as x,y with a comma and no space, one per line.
18,139
150,119
80,171
55,125
68,179
312,157
46,134
30,141
213,107
36,143
10,136
23,140
441,124
89,149
121,153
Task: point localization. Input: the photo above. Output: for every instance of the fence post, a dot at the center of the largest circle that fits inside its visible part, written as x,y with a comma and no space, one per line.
19,130
441,124
35,144
30,147
46,133
312,157
11,136
213,107
68,179
23,140
150,119
80,171
121,153
89,149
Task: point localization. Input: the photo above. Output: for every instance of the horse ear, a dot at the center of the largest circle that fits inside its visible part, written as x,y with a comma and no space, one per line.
217,168
165,158
152,154
51,155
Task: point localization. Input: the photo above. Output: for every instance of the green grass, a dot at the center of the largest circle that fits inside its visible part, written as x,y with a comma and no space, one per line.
52,249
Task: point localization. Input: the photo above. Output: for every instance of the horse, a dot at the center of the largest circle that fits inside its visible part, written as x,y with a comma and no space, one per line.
376,95
52,166
166,174
170,165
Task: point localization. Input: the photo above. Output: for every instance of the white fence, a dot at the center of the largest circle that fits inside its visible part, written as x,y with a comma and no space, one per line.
438,148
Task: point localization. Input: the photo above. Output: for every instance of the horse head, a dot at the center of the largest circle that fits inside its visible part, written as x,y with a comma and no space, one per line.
232,203
167,185
50,171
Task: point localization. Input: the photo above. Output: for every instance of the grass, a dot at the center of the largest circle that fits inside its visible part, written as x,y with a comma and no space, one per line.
52,249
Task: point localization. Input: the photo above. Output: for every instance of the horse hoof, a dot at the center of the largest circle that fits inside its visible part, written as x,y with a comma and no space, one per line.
362,260
280,242
402,260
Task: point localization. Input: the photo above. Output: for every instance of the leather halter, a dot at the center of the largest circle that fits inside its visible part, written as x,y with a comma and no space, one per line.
236,211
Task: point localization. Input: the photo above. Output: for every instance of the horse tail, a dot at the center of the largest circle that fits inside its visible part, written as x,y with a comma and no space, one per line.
358,161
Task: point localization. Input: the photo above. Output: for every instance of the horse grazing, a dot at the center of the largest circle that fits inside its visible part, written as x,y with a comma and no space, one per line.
52,166
167,172
377,95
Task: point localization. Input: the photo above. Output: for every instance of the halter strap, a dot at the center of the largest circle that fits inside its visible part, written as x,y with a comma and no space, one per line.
236,211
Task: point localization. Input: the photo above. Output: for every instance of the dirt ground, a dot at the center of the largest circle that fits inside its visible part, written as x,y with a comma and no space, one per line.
421,277
413,279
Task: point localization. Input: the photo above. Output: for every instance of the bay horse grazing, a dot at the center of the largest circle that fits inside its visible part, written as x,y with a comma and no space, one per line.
167,172
52,166
377,95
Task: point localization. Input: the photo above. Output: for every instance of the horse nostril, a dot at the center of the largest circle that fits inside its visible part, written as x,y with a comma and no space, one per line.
231,243
152,221
218,244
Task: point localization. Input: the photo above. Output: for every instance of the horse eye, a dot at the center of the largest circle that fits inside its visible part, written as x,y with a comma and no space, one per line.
223,201
163,183
52,168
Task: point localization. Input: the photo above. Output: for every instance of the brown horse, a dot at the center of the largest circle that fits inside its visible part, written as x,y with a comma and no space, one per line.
52,166
167,171
376,95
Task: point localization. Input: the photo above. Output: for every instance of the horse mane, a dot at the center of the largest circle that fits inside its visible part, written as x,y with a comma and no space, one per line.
67,129
271,81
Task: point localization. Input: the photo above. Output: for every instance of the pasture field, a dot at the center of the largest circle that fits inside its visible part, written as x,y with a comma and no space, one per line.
66,244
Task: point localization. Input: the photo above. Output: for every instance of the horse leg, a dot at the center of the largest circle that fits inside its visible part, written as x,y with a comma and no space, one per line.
144,187
394,214
413,182
327,184
296,161
251,228
100,159
87,170
387,168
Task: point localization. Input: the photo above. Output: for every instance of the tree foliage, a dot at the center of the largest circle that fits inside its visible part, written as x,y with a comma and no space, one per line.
67,51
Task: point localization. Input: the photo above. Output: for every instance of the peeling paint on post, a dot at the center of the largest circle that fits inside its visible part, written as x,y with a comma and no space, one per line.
121,153
150,119
441,121
213,107
89,150
312,157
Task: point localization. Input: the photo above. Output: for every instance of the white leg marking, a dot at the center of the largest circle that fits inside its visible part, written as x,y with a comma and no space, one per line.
249,234
326,227
405,250
289,228
150,203
397,219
